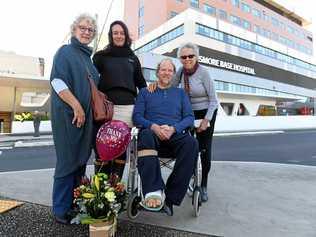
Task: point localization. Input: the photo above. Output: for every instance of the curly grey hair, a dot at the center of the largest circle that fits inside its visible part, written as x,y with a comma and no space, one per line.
80,18
189,45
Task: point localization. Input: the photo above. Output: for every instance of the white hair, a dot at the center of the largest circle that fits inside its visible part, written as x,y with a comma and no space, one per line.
189,45
80,18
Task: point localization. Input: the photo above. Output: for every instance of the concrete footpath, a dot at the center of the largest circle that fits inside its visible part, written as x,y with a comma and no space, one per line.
245,200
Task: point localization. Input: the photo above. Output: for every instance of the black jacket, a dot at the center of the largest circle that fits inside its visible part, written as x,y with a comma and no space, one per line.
120,73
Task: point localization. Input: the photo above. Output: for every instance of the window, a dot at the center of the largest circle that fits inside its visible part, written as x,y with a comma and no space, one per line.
173,14
235,20
222,14
245,7
282,25
141,11
275,36
257,29
246,24
282,39
194,3
210,10
235,3
275,22
256,13
233,40
290,29
161,40
266,33
140,30
265,16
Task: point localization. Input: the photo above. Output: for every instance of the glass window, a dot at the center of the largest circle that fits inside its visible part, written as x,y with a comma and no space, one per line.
222,14
210,10
245,7
256,12
173,14
290,29
275,36
266,33
275,22
265,16
235,20
194,3
257,29
161,40
282,25
141,30
141,11
215,34
246,24
282,39
235,3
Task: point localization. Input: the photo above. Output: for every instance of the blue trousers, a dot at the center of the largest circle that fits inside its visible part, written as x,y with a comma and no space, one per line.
63,188
183,147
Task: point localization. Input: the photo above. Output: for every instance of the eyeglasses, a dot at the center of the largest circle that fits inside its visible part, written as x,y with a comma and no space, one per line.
84,29
187,56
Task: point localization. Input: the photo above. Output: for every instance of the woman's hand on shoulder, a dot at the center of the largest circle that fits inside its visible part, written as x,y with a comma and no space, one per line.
152,87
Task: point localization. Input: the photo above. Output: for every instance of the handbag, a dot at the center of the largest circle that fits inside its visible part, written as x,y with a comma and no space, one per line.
102,108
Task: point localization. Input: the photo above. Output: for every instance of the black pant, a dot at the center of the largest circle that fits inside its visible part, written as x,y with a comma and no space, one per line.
183,147
108,167
205,139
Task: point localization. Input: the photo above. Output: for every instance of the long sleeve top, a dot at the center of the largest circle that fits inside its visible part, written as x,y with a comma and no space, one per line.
202,90
169,106
121,74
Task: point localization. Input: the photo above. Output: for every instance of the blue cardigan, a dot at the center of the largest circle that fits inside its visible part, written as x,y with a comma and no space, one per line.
169,106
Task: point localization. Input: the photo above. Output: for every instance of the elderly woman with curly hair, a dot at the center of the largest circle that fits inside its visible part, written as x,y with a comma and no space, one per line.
71,114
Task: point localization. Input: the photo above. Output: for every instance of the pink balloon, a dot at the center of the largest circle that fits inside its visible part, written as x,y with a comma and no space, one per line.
112,139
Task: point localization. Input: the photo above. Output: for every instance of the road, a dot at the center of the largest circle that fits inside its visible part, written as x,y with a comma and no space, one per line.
296,147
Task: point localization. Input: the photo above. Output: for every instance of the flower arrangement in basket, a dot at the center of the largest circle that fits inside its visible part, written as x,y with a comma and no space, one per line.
99,199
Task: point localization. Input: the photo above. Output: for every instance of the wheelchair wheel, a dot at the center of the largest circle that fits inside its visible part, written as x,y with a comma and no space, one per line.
133,206
197,202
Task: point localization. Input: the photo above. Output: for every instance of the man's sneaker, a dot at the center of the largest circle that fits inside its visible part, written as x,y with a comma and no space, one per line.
168,208
204,196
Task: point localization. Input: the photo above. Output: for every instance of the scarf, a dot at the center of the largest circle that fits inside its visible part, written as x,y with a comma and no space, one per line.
186,74
114,51
82,47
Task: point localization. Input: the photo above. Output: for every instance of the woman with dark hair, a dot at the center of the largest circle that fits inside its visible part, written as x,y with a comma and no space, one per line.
121,76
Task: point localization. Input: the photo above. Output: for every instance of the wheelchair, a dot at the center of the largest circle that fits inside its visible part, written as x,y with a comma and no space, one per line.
134,188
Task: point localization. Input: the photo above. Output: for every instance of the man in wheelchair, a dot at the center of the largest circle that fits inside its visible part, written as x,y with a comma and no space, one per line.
164,117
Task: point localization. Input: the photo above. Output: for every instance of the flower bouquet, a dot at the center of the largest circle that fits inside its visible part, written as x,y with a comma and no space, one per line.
99,199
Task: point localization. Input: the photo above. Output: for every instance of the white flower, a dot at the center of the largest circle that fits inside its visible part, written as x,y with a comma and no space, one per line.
110,196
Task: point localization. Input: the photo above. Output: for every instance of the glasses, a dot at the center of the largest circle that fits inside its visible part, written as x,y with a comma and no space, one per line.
84,29
187,56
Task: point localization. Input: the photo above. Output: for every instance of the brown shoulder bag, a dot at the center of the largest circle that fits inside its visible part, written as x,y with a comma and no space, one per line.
102,108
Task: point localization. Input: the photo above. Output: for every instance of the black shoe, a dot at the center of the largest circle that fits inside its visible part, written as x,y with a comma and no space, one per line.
168,208
62,220
204,196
